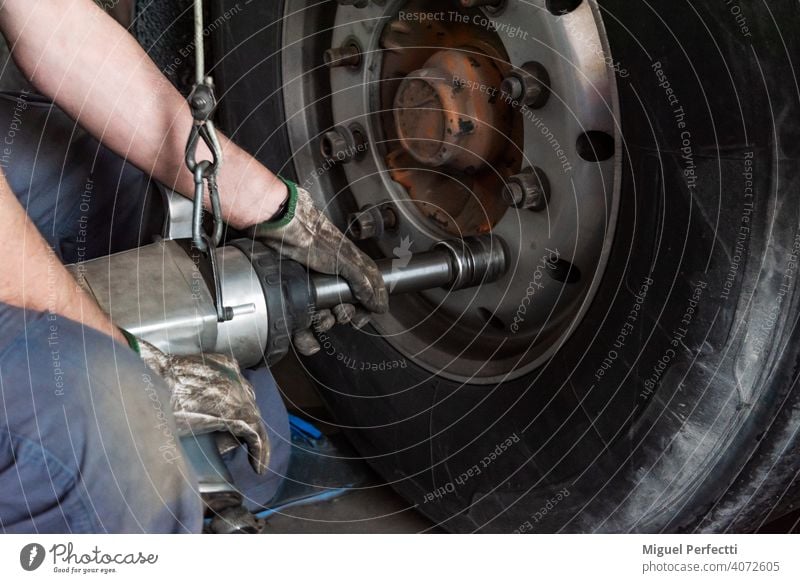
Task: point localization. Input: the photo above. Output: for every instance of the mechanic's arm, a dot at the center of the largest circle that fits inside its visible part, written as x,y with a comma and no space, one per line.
34,278
95,70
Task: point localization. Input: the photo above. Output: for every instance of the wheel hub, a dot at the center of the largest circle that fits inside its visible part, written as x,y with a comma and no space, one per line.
451,141
440,123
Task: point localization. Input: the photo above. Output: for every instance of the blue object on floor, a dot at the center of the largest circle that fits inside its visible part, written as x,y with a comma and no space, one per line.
320,497
296,424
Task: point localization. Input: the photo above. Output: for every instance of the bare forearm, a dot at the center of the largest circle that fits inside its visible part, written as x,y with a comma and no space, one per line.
95,71
33,278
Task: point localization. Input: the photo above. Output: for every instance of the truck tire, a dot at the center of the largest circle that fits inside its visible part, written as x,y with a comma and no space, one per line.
672,406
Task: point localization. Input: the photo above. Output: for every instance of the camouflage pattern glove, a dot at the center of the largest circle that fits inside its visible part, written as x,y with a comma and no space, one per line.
303,233
209,394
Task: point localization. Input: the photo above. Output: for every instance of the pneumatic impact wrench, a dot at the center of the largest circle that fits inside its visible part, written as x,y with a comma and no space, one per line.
245,300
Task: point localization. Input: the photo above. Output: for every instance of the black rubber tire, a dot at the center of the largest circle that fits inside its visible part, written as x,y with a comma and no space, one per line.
686,430
166,32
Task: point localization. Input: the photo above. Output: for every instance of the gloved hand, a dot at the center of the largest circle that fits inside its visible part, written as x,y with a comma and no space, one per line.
208,394
303,233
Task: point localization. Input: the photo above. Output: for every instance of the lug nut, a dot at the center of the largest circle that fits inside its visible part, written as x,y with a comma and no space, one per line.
356,3
364,225
529,189
530,85
513,87
348,55
333,145
344,144
372,222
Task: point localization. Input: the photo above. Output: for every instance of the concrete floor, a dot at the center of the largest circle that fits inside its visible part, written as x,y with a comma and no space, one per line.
372,511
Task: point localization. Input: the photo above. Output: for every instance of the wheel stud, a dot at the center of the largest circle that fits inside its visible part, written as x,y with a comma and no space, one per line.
344,144
530,85
348,55
513,87
529,189
372,222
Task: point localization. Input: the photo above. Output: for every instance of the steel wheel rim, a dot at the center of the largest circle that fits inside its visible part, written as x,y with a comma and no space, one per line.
504,330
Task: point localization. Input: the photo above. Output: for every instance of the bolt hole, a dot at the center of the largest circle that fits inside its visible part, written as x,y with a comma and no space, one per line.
595,146
559,7
563,271
326,147
491,319
497,9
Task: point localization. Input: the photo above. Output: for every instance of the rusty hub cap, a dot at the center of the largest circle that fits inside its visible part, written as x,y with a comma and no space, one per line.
439,119
452,139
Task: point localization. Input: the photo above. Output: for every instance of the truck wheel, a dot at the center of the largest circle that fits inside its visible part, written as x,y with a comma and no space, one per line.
635,370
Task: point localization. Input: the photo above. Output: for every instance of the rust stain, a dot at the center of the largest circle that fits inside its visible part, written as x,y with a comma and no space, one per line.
451,141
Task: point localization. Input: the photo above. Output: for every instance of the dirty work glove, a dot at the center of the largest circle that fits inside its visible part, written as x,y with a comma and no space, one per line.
208,394
303,233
